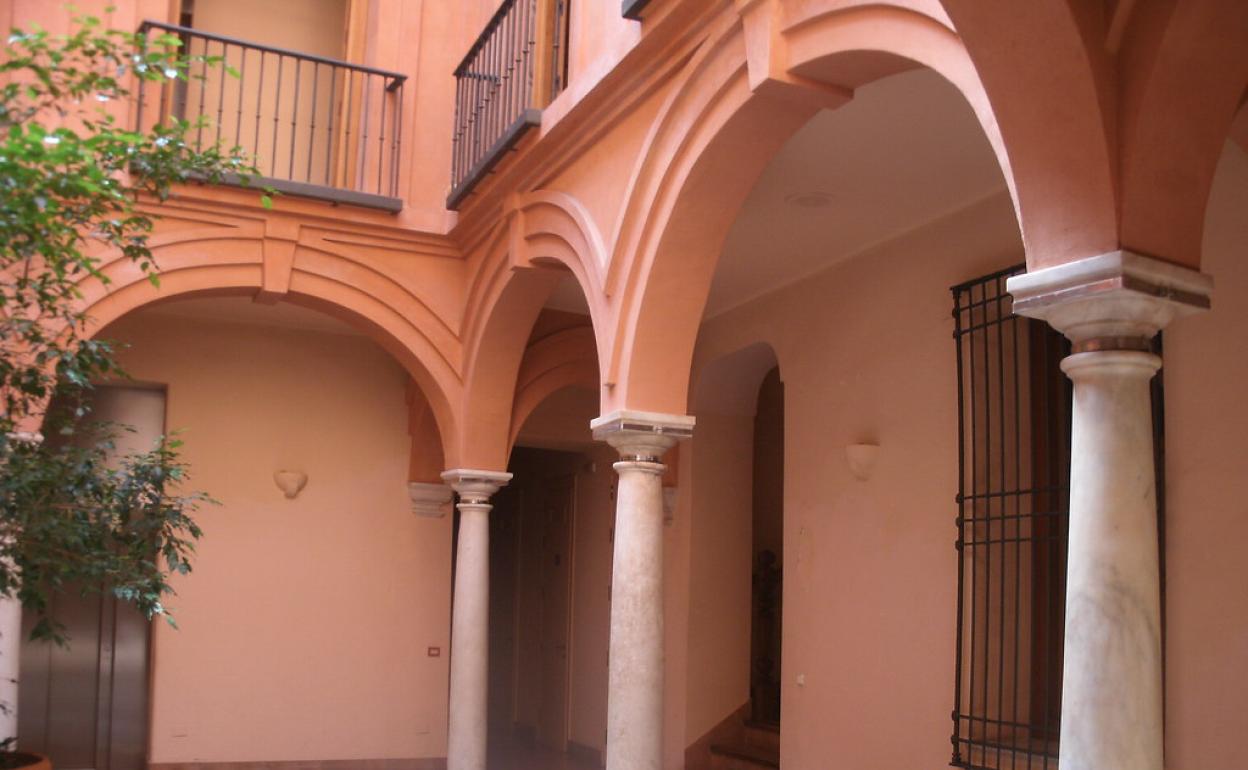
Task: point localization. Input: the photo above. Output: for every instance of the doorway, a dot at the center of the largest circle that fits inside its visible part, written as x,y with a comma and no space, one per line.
532,535
85,705
767,593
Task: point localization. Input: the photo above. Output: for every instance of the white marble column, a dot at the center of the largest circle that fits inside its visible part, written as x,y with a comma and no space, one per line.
470,619
1110,307
10,660
635,671
11,641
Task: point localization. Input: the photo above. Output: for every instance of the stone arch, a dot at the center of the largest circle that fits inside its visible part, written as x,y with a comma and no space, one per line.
374,303
751,86
1173,132
547,234
565,359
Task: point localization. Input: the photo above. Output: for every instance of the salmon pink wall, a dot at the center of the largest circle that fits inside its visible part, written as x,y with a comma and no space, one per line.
718,677
1206,366
870,569
866,353
305,624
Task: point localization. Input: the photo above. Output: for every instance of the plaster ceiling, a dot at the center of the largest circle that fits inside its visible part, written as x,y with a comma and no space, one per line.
906,151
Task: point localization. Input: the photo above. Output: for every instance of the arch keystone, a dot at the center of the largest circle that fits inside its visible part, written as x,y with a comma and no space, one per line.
767,59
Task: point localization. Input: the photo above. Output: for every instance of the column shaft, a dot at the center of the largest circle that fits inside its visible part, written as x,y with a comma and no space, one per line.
470,634
635,680
10,660
1111,693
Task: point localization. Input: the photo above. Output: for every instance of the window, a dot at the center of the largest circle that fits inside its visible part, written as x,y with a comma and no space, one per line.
1014,416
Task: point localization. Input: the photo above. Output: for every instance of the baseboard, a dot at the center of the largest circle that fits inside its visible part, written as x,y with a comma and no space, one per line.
586,754
428,763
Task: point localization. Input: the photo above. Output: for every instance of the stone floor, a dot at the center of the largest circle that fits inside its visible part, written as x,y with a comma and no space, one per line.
516,757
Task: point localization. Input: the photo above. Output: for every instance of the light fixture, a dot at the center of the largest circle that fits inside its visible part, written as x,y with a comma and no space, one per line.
291,482
862,459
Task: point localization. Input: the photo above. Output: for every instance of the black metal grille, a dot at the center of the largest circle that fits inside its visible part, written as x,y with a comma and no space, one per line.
513,70
310,121
1014,421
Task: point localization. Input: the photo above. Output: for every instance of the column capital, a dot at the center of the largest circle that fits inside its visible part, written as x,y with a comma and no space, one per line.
642,436
428,499
475,486
1118,300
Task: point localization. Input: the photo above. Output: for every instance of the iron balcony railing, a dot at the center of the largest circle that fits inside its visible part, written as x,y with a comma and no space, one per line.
513,70
316,126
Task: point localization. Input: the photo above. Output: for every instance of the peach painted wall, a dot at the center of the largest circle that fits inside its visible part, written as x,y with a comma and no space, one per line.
865,350
718,675
1206,366
305,624
866,354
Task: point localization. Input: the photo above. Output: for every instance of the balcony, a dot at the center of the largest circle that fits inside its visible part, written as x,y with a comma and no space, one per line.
515,68
318,127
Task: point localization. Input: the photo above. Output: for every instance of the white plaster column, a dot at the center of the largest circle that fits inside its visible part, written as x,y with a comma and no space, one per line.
635,673
470,619
1110,307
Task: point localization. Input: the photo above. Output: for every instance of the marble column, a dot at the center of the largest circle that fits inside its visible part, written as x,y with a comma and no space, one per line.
635,669
470,619
1110,307
10,659
11,639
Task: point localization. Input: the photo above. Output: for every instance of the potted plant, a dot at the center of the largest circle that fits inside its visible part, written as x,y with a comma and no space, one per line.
71,180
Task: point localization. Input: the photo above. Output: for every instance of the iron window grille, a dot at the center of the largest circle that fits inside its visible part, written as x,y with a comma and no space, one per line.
1014,418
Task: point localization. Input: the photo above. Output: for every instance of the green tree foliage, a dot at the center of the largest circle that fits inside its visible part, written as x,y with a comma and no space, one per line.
76,185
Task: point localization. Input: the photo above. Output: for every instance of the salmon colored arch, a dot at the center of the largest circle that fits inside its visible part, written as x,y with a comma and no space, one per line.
565,359
747,91
548,234
1047,72
1173,133
238,269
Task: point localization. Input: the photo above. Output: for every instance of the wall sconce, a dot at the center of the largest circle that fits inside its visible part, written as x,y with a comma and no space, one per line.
862,459
291,482
431,501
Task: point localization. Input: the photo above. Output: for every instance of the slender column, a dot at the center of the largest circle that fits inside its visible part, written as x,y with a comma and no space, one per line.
635,672
10,659
470,619
11,637
1110,306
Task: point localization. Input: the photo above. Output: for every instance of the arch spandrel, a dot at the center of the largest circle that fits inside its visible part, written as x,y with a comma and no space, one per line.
549,234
